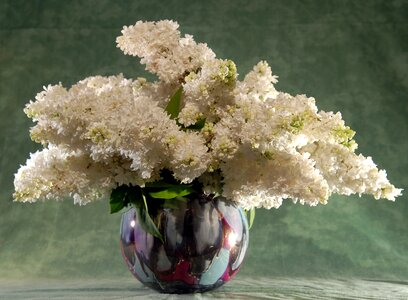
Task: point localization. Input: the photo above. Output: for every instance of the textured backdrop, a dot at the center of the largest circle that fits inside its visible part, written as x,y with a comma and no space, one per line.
352,56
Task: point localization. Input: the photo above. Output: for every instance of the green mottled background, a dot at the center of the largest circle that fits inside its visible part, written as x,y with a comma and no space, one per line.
352,56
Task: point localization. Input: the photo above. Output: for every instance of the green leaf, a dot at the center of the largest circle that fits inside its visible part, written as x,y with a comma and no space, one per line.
116,207
197,126
118,199
172,192
251,217
173,107
217,194
134,195
146,221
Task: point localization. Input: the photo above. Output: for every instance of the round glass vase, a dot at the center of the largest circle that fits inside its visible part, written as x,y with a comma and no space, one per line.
203,246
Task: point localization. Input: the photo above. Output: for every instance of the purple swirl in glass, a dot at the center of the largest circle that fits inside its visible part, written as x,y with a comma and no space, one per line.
205,240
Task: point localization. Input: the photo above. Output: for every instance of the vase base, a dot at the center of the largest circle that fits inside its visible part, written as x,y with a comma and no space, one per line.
179,287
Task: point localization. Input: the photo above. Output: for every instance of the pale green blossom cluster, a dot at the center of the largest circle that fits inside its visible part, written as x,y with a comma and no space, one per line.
256,146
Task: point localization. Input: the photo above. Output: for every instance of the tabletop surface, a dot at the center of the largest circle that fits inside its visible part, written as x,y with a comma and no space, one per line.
240,288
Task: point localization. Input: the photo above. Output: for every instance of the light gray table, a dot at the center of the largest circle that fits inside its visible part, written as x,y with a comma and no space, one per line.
240,288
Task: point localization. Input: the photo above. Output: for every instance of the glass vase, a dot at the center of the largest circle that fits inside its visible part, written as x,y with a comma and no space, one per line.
204,240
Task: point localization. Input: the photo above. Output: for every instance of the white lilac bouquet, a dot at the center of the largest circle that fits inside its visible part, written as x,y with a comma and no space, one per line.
197,126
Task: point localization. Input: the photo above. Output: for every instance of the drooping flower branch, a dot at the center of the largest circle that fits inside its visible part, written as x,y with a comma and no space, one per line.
242,139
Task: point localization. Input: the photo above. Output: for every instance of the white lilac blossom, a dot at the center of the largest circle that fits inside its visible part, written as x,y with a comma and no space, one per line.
162,50
55,173
256,146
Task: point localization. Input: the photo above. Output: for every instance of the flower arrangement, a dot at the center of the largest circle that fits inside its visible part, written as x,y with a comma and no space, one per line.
196,127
